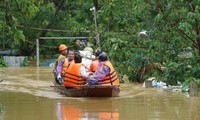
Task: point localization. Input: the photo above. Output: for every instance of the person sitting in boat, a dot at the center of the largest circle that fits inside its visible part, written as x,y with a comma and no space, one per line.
64,52
76,74
87,56
64,65
105,73
95,62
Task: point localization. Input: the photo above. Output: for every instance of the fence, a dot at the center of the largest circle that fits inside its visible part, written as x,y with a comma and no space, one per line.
14,61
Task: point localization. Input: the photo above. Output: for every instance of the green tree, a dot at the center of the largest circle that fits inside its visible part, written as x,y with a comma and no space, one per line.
35,19
176,25
172,26
13,13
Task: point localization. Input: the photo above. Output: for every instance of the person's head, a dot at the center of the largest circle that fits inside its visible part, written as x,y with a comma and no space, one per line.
103,57
77,58
68,49
63,49
70,54
78,42
98,53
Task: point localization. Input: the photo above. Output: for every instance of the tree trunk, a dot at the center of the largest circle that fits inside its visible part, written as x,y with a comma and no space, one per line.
198,38
198,43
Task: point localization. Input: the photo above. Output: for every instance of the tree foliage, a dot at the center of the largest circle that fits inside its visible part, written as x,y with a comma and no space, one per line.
23,21
172,26
3,63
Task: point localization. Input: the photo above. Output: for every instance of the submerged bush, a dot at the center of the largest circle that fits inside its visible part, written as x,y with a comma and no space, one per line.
25,63
3,63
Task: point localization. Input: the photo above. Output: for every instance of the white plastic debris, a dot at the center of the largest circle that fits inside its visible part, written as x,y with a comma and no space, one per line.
143,34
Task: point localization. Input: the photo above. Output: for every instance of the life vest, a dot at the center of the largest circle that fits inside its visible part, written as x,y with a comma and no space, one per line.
94,65
73,78
59,59
66,65
111,78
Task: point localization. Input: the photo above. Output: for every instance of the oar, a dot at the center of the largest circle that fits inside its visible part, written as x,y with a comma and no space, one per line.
56,86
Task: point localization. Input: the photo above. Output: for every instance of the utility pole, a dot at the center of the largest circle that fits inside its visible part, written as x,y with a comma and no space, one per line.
94,10
96,28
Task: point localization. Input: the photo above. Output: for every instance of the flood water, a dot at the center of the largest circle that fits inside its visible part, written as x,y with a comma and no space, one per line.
25,94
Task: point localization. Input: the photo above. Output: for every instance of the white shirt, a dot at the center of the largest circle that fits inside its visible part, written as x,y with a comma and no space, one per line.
83,72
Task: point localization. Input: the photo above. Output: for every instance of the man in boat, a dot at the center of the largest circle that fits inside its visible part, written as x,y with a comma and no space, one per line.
105,73
64,65
63,51
95,62
76,74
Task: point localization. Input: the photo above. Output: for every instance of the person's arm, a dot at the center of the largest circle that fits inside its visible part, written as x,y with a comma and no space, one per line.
83,72
56,64
59,67
105,71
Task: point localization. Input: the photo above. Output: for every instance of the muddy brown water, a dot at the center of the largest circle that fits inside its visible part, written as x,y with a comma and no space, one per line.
25,94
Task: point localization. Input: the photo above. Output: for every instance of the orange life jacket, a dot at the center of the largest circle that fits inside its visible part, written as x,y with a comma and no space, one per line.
66,65
94,65
108,116
73,78
110,79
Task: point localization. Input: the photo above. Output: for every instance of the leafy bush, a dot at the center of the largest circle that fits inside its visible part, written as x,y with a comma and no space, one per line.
186,84
25,63
3,63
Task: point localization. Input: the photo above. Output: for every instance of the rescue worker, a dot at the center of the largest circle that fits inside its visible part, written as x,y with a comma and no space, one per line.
63,51
105,73
95,62
76,74
64,65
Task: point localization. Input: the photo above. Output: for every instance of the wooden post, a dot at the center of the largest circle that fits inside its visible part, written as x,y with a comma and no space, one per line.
148,84
193,89
37,53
